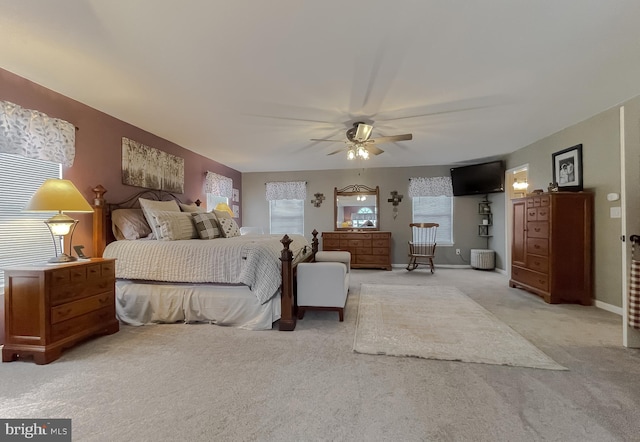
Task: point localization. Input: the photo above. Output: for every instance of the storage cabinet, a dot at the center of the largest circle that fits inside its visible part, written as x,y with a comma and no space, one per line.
371,250
486,218
52,307
551,250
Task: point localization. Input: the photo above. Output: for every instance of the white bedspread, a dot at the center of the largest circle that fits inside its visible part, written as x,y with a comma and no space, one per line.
252,260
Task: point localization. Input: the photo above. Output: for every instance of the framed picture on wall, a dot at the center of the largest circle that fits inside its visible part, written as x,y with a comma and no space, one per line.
567,168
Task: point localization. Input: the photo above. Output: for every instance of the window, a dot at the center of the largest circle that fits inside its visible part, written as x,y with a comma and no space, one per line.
286,216
24,238
213,201
435,209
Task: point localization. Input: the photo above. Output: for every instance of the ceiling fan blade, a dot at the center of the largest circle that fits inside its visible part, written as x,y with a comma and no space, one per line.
374,150
391,139
336,151
333,141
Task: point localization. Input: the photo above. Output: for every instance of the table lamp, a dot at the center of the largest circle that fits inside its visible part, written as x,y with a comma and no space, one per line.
57,195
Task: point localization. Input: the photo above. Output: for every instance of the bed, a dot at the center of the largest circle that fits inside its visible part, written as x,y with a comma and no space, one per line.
171,275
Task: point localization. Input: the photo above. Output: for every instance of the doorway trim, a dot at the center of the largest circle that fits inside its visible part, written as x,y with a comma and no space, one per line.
508,209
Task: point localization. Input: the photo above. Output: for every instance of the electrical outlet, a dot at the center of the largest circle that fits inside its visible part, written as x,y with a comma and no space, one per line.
457,251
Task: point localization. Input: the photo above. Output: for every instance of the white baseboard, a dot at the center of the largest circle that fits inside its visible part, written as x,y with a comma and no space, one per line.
608,307
438,266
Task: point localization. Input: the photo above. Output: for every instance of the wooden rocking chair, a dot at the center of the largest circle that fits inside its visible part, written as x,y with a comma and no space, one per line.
422,247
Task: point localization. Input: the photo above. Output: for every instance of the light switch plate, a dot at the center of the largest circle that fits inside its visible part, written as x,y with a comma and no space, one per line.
615,212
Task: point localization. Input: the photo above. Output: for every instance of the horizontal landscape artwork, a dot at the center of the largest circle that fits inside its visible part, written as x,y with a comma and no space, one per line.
144,166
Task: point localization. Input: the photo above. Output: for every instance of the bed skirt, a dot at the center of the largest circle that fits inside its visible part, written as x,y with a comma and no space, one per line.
140,303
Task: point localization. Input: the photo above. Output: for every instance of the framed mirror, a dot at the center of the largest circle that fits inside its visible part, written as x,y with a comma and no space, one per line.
356,208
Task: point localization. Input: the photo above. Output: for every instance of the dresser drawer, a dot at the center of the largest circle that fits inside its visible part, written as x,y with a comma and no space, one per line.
538,246
358,236
531,278
77,308
330,244
538,263
326,236
380,243
80,324
381,236
59,276
79,290
538,229
372,259
542,213
380,251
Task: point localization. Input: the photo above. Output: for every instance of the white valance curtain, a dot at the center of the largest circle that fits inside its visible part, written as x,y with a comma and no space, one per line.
289,190
33,134
218,185
434,186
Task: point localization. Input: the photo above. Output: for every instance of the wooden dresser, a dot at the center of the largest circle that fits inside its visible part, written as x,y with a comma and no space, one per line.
369,250
51,307
551,251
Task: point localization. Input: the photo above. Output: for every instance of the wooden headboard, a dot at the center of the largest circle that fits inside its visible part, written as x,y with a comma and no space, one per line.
102,231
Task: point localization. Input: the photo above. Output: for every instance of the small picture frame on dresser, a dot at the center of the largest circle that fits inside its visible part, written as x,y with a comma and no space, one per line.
567,168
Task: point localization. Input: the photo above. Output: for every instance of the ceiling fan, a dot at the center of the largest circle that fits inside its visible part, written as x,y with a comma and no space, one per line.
360,145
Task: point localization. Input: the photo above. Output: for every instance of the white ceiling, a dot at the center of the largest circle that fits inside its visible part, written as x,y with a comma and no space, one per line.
249,83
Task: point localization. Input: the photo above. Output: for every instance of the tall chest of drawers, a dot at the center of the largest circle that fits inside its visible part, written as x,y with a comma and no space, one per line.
52,307
551,249
369,250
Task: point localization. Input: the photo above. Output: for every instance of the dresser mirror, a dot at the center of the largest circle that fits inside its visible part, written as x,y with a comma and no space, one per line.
356,208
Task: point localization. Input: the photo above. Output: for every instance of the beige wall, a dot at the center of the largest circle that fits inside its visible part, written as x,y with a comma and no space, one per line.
256,209
600,139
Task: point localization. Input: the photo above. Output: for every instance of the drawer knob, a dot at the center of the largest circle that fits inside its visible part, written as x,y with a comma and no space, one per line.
537,229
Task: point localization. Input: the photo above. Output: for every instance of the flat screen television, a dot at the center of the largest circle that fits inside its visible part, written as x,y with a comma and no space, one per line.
478,179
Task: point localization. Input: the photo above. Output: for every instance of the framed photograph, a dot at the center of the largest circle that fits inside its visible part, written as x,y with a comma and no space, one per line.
236,195
567,168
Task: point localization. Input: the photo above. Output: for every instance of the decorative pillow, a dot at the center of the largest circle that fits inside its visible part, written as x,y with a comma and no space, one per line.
191,208
173,226
129,224
206,225
229,227
220,214
151,205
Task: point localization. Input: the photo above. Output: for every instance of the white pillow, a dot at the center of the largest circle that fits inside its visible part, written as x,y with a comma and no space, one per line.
192,208
129,224
152,205
173,226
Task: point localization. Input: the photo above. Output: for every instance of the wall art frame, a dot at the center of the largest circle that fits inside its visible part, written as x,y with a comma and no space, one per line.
144,166
567,169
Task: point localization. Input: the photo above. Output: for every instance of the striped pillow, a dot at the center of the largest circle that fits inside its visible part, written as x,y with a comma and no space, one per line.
206,225
173,226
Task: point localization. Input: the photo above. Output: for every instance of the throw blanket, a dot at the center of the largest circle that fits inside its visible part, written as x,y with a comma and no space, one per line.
252,260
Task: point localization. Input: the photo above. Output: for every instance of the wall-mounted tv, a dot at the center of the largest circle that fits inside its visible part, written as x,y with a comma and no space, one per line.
478,179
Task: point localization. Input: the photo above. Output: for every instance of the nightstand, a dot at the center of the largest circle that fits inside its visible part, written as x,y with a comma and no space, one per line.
50,307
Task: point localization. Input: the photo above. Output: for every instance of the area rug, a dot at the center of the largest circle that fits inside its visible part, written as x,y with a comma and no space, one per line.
437,322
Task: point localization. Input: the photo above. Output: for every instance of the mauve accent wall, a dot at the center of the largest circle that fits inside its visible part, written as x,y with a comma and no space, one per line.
99,149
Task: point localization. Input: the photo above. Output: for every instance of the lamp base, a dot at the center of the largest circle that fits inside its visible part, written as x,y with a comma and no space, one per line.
63,258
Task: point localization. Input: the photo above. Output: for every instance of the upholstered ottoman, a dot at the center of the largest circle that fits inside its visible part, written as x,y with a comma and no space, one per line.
324,284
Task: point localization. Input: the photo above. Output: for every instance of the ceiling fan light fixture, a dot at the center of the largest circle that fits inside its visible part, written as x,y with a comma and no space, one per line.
363,132
351,155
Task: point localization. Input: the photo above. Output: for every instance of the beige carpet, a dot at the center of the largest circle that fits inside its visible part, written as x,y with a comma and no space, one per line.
436,322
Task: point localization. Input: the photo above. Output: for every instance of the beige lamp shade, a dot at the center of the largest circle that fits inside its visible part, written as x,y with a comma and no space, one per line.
59,196
224,207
